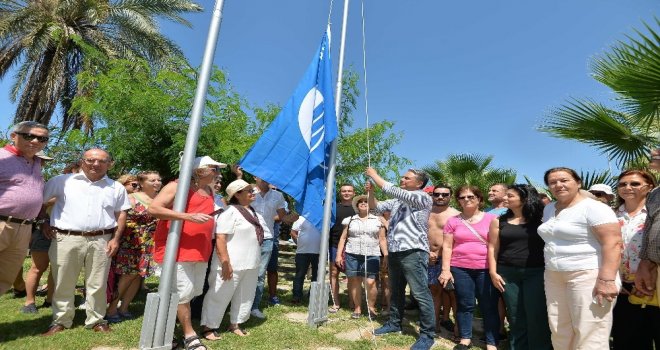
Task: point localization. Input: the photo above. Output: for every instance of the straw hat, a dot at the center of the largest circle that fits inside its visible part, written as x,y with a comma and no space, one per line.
356,199
234,187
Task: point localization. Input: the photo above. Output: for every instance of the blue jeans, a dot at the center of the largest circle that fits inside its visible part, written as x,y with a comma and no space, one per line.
410,267
471,283
303,261
266,250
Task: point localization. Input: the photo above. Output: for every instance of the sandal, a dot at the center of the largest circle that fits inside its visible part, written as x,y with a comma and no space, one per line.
112,319
238,331
333,309
355,315
126,315
211,332
192,343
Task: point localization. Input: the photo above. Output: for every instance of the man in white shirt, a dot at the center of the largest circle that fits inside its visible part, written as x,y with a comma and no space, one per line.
86,224
308,243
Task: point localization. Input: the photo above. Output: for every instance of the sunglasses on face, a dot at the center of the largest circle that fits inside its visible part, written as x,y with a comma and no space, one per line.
443,195
633,184
29,137
598,194
247,189
469,198
134,185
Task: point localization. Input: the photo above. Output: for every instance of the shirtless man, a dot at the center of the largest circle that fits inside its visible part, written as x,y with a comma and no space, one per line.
440,212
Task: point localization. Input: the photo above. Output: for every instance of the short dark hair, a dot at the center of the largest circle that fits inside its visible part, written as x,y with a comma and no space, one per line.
443,186
345,184
506,187
572,172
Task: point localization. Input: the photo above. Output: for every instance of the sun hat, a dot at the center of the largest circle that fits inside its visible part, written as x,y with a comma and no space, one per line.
43,156
234,187
356,199
205,161
602,188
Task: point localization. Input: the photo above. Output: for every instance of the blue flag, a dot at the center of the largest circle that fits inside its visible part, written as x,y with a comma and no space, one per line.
292,153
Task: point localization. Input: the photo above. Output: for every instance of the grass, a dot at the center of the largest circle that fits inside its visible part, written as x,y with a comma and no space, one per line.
20,331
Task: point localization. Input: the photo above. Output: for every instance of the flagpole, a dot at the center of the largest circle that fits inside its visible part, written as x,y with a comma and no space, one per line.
159,322
321,307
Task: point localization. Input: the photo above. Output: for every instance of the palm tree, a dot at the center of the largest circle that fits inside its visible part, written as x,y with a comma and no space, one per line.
624,134
52,40
469,169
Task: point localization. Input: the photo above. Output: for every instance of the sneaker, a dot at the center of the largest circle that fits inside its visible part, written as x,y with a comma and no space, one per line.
258,314
387,328
29,309
82,305
274,301
423,343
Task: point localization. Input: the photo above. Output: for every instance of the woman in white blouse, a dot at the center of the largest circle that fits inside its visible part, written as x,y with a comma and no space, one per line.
582,256
634,327
364,240
234,267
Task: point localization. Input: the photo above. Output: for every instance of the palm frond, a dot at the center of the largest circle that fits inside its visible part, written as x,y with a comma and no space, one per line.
590,178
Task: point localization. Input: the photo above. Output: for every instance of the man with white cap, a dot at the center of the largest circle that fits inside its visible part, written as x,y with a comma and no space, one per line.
195,243
603,193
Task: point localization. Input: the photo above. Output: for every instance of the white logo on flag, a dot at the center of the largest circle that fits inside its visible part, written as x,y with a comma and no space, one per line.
310,119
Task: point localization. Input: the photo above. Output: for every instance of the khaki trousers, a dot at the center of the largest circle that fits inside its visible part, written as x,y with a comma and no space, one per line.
14,243
575,321
68,255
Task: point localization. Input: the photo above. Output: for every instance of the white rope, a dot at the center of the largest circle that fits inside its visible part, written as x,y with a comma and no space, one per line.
330,12
366,112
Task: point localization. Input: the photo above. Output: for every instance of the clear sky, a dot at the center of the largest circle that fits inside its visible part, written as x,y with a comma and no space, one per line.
455,76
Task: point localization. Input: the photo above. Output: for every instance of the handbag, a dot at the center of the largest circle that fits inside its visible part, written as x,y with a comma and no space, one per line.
645,300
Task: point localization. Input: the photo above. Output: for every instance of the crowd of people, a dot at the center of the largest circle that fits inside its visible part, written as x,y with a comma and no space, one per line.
567,269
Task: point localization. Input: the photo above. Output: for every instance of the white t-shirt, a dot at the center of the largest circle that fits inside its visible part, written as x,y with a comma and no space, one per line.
267,206
242,244
309,238
570,244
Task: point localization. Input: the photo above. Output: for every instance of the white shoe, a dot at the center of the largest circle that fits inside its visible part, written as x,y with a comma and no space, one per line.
258,314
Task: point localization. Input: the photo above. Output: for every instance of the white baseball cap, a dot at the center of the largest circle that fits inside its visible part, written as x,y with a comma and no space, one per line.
602,188
205,161
234,187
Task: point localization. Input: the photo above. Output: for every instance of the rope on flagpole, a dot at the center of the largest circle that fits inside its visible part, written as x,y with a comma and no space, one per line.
330,12
366,112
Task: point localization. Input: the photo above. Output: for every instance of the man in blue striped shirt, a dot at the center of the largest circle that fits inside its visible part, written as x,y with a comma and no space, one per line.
408,246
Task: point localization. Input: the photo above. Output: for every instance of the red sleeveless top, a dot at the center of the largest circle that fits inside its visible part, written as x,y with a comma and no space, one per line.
195,242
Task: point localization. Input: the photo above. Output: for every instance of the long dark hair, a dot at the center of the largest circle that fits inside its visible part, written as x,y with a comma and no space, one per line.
532,208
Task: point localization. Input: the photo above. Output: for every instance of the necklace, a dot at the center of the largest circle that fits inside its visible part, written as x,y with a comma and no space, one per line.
472,219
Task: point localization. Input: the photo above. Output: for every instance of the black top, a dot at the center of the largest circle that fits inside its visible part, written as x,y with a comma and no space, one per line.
343,212
520,245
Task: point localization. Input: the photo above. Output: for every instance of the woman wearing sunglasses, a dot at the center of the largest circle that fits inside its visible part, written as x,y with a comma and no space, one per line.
130,183
633,327
515,254
582,255
465,264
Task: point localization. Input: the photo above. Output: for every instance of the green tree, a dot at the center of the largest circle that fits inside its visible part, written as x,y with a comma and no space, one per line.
469,169
624,133
51,40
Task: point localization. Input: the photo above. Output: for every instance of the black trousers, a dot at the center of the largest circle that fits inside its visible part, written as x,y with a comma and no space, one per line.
635,327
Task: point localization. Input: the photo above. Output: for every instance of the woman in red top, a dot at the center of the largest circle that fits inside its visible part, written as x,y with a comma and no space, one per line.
195,242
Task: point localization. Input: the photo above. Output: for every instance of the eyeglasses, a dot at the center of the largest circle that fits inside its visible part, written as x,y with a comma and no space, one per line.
248,190
444,195
598,194
134,185
633,184
29,137
91,161
469,198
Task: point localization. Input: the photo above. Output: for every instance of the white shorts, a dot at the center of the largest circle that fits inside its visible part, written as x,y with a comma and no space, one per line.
189,280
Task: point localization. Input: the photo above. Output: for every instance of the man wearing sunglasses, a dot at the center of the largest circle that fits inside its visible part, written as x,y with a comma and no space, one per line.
21,188
603,193
408,247
440,212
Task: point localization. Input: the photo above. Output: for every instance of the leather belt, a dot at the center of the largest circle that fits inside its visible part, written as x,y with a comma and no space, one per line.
84,233
17,220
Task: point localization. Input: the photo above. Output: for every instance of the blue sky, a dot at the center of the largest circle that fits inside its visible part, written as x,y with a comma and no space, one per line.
456,77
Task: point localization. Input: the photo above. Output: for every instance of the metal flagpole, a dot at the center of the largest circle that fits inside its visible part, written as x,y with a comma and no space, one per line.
318,301
160,311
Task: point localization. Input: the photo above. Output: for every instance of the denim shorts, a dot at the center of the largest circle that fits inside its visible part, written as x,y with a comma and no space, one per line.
39,242
355,265
274,255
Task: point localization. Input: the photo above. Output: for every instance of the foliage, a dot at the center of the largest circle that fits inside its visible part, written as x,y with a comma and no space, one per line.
625,135
469,169
590,178
51,42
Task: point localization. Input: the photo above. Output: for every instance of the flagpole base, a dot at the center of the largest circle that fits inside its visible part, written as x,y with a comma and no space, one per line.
318,304
149,322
